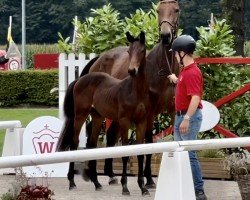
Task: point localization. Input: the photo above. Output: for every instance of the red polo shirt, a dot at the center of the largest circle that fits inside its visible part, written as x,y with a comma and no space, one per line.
190,82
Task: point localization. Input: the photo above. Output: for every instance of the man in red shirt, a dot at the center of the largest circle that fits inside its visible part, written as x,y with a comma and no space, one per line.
188,105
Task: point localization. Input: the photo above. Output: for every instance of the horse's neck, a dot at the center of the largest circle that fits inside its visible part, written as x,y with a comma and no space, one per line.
156,61
140,82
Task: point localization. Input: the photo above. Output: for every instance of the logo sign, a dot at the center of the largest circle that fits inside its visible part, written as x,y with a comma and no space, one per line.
14,64
210,116
41,136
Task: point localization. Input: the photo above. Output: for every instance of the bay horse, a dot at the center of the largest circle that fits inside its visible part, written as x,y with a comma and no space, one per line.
160,62
103,96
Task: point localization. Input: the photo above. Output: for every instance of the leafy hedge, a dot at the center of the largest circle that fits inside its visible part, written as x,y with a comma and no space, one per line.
28,87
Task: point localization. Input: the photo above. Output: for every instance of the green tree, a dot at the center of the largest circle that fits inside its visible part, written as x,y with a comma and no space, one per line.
235,15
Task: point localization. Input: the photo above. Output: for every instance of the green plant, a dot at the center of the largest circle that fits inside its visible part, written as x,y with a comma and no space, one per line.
217,41
8,196
144,21
24,188
105,30
211,153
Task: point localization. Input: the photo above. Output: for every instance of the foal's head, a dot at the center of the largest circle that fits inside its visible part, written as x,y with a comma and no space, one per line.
168,18
137,52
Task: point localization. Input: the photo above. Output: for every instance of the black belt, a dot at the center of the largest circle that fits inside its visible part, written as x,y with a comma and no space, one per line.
181,112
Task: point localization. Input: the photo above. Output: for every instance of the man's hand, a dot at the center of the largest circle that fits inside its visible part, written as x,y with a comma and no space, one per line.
184,126
173,78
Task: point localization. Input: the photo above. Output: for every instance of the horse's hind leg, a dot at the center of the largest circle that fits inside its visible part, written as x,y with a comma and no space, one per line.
112,138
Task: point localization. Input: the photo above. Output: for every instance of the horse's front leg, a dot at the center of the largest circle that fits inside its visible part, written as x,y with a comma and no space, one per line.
150,184
140,136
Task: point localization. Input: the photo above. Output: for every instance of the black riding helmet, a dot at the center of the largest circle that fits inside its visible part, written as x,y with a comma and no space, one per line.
184,43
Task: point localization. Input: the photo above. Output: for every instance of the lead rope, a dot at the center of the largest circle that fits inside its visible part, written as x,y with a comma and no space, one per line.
164,72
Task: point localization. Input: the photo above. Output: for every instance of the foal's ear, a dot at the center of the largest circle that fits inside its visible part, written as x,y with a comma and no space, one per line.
130,38
142,37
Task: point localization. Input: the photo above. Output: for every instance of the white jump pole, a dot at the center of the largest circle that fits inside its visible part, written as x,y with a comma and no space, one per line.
10,124
115,152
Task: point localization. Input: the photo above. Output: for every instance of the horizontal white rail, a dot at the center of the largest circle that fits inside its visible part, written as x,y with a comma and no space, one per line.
10,124
114,152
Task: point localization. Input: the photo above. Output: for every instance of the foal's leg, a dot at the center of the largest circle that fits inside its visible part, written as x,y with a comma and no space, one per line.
112,138
149,139
140,136
78,122
92,143
124,125
69,126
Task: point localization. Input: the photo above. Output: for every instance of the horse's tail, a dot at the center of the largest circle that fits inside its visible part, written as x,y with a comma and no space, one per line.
65,140
87,67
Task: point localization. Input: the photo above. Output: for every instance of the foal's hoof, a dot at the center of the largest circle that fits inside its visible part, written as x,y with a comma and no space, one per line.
125,193
72,186
145,192
150,186
98,187
85,175
113,181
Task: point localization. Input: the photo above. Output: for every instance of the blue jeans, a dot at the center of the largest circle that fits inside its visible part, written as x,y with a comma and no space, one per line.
193,130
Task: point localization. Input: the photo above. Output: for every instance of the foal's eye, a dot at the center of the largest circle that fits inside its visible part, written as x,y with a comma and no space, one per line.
177,10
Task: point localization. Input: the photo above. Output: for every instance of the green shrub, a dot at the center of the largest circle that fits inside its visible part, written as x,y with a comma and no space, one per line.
106,30
28,87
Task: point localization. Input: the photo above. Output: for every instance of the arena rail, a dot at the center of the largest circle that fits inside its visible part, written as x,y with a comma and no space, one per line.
114,152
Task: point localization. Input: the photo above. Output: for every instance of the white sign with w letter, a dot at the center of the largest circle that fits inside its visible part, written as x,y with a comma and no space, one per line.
41,136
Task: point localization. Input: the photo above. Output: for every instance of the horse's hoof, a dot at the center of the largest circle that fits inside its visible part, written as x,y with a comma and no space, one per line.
85,175
151,186
113,181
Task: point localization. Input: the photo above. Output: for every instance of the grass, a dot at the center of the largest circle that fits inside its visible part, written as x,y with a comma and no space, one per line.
25,115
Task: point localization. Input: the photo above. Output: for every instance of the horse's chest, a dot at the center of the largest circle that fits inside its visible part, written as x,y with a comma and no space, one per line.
140,111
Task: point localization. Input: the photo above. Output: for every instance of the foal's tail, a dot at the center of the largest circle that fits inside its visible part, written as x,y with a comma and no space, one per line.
65,140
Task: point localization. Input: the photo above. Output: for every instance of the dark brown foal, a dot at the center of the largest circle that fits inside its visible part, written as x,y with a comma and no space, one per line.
124,101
